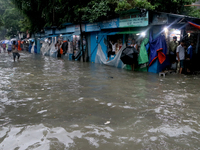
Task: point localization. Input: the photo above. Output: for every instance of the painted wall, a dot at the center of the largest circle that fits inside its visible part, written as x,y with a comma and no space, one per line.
95,42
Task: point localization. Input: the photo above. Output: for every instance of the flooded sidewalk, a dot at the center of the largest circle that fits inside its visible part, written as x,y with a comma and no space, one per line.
48,103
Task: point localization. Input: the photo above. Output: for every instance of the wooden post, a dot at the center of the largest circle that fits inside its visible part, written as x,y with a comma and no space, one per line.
81,38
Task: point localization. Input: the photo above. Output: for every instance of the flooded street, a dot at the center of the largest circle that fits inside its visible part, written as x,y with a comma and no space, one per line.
46,103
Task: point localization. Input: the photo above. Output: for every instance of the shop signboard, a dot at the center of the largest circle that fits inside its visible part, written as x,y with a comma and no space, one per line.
70,29
48,32
77,28
114,23
92,27
134,20
60,31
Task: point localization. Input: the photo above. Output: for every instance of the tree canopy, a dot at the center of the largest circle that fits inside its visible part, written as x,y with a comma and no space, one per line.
10,19
41,13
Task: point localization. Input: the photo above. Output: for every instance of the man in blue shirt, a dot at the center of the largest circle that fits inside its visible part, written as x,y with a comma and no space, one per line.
190,50
9,48
189,55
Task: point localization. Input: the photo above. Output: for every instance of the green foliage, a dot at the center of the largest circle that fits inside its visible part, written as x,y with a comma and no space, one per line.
130,4
10,19
171,6
47,13
98,10
192,11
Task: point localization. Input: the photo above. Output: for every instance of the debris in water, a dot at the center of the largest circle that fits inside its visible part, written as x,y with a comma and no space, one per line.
4,124
42,89
108,122
42,111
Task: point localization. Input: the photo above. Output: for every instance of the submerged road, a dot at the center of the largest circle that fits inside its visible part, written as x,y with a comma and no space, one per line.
46,103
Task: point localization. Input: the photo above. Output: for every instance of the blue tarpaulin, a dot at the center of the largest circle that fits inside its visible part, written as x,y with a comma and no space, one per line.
158,49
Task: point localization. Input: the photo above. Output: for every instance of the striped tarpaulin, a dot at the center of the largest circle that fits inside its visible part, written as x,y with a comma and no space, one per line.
195,25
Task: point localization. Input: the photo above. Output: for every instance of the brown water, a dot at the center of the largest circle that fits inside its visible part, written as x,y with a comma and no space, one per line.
53,104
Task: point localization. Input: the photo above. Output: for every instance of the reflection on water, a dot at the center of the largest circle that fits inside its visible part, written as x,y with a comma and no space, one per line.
47,103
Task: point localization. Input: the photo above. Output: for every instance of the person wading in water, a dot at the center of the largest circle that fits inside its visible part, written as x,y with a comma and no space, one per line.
15,51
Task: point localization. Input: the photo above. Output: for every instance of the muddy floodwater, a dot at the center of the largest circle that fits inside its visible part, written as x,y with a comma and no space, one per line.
52,104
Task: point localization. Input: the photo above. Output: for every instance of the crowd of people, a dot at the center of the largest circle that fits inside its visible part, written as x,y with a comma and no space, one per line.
12,47
61,46
114,48
181,55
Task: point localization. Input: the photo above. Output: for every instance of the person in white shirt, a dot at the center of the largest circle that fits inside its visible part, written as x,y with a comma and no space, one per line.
112,52
180,53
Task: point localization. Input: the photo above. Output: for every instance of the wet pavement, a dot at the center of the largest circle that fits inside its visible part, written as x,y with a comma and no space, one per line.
46,103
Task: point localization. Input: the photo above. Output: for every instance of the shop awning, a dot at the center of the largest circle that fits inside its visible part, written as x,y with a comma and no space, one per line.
128,32
108,33
52,35
194,24
66,35
113,33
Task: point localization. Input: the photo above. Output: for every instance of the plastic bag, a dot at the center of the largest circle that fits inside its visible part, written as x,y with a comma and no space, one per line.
32,49
45,49
53,51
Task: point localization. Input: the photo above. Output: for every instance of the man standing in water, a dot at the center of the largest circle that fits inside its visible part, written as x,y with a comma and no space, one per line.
180,52
172,50
15,51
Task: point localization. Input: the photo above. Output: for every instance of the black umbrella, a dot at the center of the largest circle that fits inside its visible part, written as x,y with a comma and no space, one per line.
129,55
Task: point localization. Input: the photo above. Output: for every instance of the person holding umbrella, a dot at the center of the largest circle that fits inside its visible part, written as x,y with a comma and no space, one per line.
129,56
134,44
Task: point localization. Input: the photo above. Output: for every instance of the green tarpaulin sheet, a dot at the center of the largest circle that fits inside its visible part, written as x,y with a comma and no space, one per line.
143,56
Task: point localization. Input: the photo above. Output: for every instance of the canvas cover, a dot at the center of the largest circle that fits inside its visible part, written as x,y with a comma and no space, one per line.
158,49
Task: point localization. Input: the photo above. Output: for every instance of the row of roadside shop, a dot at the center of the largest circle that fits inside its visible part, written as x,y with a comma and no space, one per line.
154,30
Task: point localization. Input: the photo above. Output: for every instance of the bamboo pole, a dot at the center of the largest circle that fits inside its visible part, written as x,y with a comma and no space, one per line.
192,5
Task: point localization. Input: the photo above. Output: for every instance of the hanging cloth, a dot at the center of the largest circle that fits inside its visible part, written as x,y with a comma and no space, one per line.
158,49
19,46
143,56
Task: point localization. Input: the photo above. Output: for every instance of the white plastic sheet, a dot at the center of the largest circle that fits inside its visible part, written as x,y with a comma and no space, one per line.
32,49
116,62
45,48
53,51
